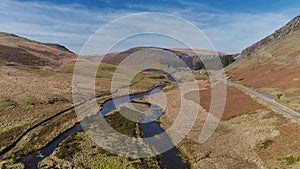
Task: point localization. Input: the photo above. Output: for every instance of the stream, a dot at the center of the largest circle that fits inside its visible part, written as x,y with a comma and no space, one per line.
170,159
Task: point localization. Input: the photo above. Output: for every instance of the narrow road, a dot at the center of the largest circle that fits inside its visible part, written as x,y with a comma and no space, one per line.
268,99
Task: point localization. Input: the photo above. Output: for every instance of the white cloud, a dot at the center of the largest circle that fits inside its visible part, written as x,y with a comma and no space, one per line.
147,29
70,25
234,32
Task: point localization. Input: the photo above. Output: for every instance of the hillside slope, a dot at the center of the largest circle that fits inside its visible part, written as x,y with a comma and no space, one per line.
22,51
35,82
36,102
272,65
283,42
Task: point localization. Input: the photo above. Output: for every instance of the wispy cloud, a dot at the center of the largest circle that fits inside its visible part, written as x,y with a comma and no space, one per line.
70,25
73,24
236,31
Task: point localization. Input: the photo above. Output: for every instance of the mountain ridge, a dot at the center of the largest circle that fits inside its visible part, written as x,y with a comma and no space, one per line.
288,30
193,58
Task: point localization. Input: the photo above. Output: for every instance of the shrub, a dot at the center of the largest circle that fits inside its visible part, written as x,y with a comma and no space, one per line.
13,159
279,96
291,159
266,144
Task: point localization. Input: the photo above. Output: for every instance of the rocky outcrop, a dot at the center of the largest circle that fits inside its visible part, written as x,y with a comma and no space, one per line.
287,30
60,47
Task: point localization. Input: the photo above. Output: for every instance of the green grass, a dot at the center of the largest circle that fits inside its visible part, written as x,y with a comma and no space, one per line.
69,148
106,162
6,103
9,135
13,159
41,136
91,69
291,159
40,72
30,101
201,77
105,72
54,100
122,124
36,101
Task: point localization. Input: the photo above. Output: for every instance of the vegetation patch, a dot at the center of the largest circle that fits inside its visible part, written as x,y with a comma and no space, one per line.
201,77
69,148
8,136
278,96
6,164
6,103
13,159
30,101
45,133
56,100
266,144
291,159
35,70
79,151
121,124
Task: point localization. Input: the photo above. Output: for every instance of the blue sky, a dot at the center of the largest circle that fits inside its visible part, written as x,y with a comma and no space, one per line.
231,25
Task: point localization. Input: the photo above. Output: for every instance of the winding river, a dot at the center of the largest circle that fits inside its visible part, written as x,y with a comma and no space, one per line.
169,159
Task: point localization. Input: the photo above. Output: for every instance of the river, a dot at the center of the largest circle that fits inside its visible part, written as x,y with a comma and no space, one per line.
170,159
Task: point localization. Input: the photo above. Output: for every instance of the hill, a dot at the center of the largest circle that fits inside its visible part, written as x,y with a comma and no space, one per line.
36,104
272,65
193,58
283,42
21,51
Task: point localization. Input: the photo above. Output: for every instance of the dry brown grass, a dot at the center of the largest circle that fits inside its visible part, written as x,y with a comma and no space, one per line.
235,100
245,128
32,95
286,143
272,78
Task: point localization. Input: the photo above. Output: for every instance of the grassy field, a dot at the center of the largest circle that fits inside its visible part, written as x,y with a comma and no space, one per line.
34,94
250,135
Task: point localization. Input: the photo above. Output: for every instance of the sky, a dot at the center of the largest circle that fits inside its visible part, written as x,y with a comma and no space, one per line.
230,25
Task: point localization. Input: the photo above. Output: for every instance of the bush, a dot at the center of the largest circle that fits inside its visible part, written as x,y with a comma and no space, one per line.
279,96
13,159
291,159
266,144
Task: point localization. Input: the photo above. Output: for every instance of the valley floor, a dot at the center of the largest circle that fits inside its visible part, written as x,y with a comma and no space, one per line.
251,134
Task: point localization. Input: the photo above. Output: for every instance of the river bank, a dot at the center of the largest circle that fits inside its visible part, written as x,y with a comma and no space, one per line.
129,128
37,156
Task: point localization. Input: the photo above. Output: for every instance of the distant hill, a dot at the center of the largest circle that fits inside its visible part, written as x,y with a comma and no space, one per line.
199,52
192,57
22,51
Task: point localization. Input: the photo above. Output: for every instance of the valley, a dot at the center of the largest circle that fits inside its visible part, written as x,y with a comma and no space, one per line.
259,128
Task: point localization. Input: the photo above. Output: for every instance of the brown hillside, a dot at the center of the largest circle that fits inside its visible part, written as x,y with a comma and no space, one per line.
22,51
272,65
